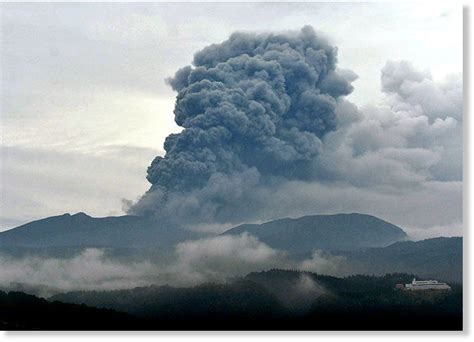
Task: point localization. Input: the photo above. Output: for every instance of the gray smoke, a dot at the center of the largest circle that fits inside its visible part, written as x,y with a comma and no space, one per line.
254,109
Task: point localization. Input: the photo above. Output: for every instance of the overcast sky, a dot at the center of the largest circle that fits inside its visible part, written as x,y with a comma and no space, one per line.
85,108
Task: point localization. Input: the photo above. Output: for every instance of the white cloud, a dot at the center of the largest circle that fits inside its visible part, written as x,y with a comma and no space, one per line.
228,255
89,270
194,262
324,263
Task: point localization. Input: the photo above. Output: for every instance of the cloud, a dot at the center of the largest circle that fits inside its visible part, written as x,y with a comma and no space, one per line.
400,151
88,270
408,139
264,112
216,259
224,256
324,263
253,108
68,67
193,262
300,296
416,90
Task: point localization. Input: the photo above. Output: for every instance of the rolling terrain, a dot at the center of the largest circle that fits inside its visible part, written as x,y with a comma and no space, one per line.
82,230
325,232
263,300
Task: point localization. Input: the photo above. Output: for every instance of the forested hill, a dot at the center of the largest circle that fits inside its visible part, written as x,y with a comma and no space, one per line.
285,300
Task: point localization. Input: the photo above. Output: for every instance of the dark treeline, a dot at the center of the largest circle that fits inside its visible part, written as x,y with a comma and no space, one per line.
20,311
260,301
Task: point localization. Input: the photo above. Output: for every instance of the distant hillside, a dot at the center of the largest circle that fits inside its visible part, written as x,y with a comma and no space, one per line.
240,299
286,300
279,281
297,236
86,231
439,258
325,232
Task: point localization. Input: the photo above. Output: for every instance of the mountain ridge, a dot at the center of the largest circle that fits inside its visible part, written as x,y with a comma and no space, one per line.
327,232
83,230
439,258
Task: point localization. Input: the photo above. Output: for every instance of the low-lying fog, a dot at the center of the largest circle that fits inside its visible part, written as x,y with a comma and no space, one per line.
192,262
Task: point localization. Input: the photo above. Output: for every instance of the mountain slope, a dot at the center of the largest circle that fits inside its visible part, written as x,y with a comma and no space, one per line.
86,231
326,232
261,301
439,258
210,301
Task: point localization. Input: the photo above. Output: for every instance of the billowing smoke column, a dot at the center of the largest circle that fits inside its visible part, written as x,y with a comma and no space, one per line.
254,110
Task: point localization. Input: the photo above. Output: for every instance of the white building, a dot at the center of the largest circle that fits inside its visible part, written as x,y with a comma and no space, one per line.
417,285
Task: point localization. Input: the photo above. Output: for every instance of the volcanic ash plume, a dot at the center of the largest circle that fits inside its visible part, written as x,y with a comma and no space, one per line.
254,110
